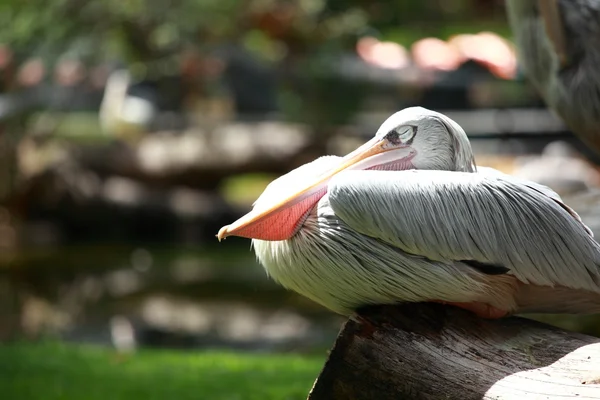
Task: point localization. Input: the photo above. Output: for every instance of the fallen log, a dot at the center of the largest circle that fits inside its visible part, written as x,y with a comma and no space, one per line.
431,352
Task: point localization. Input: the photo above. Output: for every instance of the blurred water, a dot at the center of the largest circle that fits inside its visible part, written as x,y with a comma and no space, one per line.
130,296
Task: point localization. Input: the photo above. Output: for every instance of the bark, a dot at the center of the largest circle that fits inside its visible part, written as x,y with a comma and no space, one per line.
429,351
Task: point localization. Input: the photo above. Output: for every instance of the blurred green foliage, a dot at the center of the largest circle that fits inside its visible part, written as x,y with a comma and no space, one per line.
304,39
52,371
139,30
143,30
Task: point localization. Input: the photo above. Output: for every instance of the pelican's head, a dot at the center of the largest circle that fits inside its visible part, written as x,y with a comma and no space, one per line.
414,138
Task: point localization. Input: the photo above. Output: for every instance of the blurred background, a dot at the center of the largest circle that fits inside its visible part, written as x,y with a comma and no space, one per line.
132,130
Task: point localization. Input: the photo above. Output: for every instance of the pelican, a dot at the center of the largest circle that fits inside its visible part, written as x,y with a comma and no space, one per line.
408,217
559,48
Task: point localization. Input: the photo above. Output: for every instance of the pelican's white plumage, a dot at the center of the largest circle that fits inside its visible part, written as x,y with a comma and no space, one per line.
377,233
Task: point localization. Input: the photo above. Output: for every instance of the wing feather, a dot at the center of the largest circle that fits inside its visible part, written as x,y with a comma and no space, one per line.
489,218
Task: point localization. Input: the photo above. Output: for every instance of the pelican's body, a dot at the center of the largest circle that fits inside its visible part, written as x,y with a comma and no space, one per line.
408,218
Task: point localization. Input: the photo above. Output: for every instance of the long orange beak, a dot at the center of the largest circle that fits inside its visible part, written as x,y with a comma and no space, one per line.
282,220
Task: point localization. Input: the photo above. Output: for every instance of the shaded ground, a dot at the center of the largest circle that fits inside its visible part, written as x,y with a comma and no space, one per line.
51,371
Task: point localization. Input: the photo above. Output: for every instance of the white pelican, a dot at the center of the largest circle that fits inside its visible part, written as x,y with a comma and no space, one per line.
558,43
407,217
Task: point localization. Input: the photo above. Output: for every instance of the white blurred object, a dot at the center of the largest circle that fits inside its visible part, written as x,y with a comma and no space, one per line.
121,114
122,334
561,168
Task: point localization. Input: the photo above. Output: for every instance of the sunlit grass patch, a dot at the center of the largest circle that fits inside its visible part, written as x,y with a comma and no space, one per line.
243,190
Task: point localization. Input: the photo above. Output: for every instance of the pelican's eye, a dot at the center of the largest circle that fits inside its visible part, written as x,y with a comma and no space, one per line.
403,134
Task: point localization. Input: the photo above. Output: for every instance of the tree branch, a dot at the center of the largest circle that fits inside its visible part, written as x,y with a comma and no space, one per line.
429,351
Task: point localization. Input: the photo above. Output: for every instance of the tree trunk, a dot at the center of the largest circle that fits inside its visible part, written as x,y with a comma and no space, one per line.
429,351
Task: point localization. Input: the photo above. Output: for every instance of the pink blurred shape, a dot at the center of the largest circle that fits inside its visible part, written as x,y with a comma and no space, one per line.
436,54
489,49
388,55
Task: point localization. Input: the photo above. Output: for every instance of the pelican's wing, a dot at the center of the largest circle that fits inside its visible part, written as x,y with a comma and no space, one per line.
490,219
545,190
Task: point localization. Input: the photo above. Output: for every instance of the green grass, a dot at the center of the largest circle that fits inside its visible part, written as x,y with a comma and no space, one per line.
52,371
